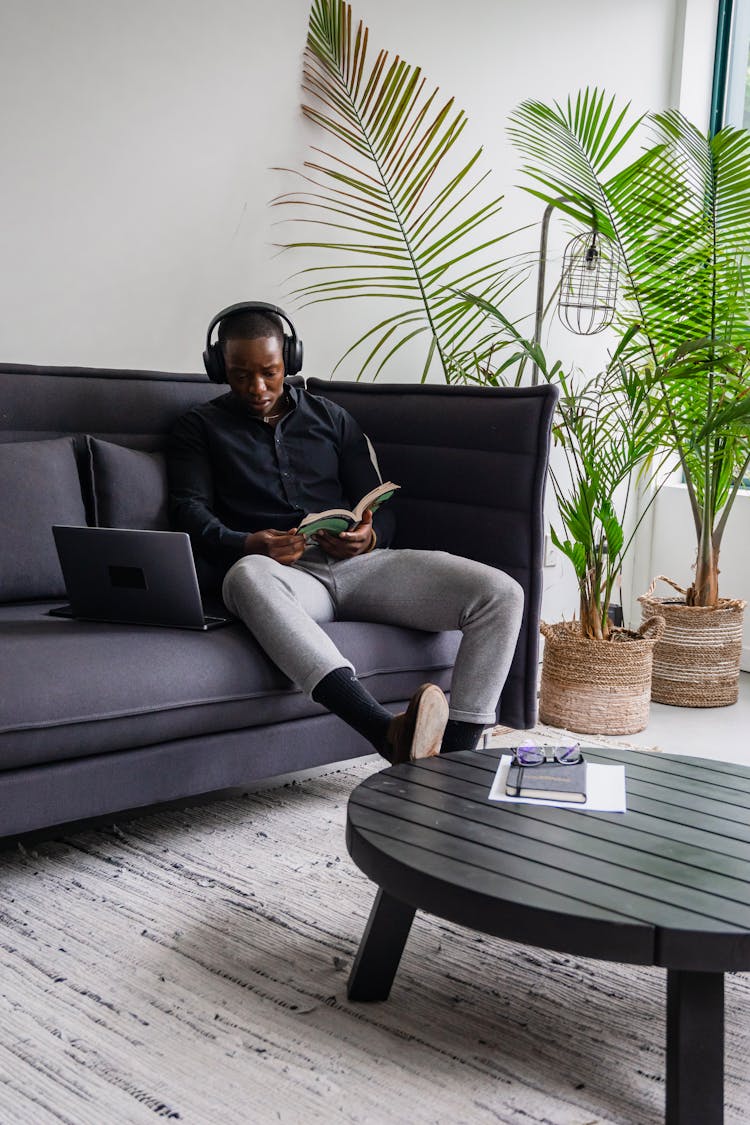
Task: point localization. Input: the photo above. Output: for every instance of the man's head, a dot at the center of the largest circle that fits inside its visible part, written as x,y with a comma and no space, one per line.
252,344
251,337
250,324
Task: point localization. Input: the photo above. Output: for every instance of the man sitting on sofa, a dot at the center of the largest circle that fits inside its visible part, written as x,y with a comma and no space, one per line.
243,471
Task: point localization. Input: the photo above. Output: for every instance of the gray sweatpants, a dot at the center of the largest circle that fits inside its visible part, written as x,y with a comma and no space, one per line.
283,607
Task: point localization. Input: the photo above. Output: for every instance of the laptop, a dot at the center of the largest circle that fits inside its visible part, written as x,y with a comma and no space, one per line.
130,577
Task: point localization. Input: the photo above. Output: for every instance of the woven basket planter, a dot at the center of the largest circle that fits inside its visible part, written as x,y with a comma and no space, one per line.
597,687
697,661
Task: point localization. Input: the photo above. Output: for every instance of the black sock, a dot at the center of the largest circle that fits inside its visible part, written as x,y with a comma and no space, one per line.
341,692
461,736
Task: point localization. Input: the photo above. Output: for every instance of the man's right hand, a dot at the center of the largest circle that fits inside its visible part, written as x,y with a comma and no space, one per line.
283,547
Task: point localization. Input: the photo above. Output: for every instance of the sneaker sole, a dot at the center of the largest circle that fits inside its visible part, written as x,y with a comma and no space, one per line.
432,716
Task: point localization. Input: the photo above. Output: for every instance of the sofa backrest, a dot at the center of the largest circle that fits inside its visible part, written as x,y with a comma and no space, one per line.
47,459
472,463
133,408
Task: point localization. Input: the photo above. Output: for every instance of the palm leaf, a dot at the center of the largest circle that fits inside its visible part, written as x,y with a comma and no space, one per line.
402,216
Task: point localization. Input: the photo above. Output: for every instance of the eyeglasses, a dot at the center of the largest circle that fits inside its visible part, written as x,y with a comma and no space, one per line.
529,754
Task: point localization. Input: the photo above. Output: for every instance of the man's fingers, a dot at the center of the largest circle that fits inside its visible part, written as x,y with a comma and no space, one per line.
287,553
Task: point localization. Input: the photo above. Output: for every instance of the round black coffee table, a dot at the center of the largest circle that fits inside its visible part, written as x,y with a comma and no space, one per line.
667,884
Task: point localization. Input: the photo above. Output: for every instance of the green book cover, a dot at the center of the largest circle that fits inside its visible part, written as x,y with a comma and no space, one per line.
341,519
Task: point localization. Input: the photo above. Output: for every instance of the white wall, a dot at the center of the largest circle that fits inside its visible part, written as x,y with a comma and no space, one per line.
137,140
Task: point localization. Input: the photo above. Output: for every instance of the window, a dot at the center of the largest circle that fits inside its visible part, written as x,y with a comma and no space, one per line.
730,102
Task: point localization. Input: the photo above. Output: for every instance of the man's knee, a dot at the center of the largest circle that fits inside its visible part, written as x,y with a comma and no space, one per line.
247,574
481,583
503,592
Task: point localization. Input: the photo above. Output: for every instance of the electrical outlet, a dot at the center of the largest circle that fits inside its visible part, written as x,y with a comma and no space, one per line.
551,553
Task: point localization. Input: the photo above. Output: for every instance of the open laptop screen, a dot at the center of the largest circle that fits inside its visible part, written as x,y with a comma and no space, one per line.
131,576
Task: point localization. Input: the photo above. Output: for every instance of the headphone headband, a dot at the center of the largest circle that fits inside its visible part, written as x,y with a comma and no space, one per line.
213,358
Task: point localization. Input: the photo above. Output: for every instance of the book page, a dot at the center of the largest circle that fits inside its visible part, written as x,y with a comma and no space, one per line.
374,498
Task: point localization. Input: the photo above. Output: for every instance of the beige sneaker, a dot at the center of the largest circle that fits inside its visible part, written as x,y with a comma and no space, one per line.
418,731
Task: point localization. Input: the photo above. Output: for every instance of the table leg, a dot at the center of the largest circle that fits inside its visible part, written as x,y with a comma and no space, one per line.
380,949
695,1048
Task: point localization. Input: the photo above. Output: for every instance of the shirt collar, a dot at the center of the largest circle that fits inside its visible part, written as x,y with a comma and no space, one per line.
293,393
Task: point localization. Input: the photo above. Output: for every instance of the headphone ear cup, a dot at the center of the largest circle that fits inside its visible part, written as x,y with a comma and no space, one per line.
213,361
292,355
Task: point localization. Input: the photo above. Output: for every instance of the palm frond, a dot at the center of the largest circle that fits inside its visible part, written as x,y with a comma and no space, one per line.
397,204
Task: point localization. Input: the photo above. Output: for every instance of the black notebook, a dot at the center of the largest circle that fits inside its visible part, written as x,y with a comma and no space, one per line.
548,782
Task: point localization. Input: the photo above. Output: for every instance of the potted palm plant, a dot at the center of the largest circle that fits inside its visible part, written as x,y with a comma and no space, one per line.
596,678
679,214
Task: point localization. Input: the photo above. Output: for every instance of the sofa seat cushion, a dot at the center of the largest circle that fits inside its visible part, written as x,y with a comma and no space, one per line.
71,688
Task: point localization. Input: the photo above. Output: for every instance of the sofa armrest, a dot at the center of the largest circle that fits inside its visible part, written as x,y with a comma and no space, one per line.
472,463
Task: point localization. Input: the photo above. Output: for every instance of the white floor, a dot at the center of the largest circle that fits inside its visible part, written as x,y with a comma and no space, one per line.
703,732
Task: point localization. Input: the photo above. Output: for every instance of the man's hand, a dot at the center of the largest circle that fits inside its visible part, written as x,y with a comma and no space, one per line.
284,547
348,543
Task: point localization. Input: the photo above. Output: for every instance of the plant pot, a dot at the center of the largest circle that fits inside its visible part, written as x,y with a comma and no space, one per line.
697,661
597,687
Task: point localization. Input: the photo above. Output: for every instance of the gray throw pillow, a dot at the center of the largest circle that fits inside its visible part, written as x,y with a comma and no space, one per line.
130,486
39,486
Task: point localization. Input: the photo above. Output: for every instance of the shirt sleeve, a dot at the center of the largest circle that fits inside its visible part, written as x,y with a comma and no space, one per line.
359,473
191,494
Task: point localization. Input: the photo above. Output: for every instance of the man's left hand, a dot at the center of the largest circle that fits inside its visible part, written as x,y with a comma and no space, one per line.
356,541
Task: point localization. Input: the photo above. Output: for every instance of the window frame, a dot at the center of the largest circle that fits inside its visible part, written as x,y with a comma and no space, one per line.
721,64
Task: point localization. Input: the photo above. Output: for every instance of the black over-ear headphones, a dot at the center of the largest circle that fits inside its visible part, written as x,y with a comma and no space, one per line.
213,357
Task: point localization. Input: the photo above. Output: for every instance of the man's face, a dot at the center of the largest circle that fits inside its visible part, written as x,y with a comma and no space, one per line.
255,372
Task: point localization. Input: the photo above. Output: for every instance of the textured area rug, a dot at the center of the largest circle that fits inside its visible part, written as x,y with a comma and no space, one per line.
191,965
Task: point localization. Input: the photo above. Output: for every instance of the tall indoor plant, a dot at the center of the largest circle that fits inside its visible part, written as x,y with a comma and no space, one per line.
679,213
680,216
595,677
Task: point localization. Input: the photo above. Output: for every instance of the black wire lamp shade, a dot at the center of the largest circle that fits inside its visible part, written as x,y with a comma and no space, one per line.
588,285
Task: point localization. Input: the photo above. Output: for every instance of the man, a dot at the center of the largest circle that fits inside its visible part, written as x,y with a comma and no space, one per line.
245,468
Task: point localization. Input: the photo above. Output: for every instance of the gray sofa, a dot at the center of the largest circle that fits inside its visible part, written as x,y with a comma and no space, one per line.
97,718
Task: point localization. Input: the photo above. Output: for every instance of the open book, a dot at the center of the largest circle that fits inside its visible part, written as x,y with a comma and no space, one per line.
341,519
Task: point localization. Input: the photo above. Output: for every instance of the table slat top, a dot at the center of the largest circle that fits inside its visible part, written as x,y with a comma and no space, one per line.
665,883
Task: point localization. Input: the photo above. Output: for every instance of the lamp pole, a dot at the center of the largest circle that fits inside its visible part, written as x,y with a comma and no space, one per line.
543,270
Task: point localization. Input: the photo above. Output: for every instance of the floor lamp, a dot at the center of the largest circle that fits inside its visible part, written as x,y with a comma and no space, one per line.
588,284
587,293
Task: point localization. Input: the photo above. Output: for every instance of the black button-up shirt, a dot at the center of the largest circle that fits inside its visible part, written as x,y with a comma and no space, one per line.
231,474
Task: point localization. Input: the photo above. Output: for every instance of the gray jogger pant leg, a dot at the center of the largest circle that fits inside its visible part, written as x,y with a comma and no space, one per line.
429,590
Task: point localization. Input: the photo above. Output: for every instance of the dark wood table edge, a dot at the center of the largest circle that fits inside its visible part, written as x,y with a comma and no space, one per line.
695,999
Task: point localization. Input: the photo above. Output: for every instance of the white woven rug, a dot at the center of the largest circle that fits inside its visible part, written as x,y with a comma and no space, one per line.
191,965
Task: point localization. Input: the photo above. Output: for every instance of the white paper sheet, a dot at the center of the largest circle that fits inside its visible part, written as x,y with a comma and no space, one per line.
605,788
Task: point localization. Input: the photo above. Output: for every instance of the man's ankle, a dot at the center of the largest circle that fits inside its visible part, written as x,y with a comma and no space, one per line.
461,736
342,693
